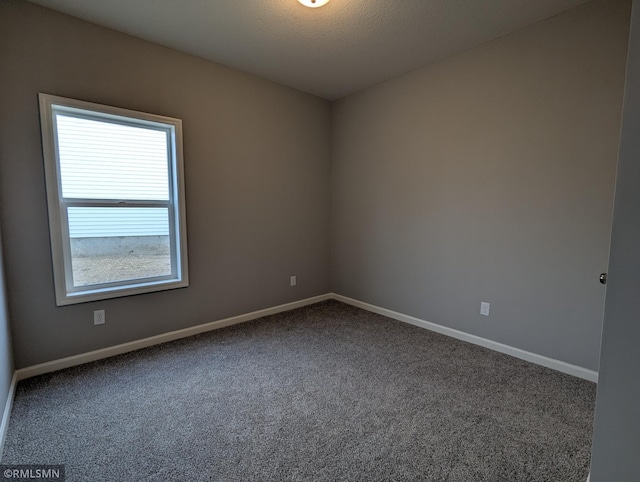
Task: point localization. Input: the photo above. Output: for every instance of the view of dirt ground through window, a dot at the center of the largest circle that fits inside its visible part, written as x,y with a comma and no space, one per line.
103,269
104,260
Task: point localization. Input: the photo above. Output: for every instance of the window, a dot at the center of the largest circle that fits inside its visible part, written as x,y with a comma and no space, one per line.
115,194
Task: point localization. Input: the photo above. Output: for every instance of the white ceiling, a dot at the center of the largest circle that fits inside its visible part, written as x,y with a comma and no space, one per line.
330,51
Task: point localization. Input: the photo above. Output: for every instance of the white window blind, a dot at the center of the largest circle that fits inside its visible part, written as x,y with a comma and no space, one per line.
103,160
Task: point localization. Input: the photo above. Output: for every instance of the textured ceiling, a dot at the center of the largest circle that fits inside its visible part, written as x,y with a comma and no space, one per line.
331,51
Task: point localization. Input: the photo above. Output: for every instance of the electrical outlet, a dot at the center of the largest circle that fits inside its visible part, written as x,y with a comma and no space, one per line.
293,281
484,308
99,317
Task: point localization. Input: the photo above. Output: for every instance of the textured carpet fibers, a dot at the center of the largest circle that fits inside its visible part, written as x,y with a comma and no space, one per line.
325,392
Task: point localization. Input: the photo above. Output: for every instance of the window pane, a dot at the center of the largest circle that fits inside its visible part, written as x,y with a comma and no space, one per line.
102,160
96,156
116,244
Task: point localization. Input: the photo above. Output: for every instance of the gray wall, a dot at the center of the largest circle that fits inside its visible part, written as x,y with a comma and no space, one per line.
489,177
484,177
257,173
616,439
6,354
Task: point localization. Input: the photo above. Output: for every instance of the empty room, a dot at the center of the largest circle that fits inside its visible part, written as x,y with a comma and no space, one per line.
320,240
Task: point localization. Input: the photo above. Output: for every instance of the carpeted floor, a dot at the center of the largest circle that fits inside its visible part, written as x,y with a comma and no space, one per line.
325,392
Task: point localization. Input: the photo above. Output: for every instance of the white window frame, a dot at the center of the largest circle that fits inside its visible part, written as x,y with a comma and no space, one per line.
66,293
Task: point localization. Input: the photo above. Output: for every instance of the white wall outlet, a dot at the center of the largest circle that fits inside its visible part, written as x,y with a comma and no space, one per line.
484,308
293,281
99,317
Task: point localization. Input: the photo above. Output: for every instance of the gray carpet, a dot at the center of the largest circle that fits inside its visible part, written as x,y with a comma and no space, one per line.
325,392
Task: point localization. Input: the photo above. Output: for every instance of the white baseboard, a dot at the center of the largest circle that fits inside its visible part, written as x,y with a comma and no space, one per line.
558,365
71,361
4,426
67,362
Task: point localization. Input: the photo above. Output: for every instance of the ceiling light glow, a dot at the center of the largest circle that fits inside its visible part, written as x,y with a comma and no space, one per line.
313,3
